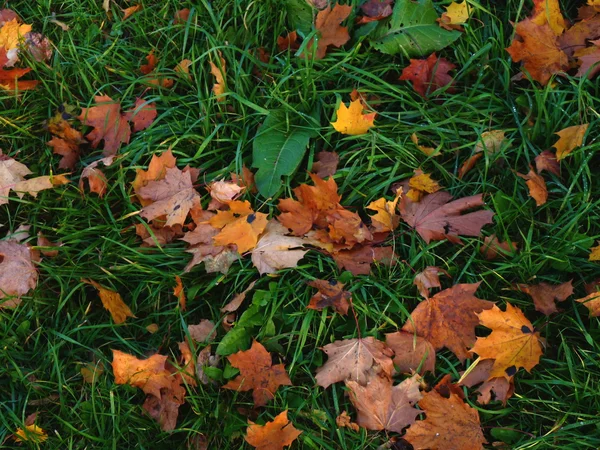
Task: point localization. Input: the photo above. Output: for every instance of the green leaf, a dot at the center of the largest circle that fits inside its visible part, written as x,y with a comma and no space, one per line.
237,339
278,148
412,30
300,15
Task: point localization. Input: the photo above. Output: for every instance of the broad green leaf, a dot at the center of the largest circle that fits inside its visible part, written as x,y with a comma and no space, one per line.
278,148
237,339
300,16
412,30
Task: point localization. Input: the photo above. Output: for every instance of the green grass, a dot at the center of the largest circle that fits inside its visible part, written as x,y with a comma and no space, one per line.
61,325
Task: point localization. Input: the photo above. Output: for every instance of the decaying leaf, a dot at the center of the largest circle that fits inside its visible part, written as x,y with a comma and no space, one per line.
386,218
112,301
345,421
500,387
547,161
157,170
331,293
546,295
351,359
537,186
204,331
351,120
492,248
18,274
274,435
428,75
513,342
65,140
330,32
258,374
448,319
569,139
428,279
412,353
326,164
240,226
382,406
358,261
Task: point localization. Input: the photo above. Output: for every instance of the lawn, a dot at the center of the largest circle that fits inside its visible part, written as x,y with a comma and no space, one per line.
60,326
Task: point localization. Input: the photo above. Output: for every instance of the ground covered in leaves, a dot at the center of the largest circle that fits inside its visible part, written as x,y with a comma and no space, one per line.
235,224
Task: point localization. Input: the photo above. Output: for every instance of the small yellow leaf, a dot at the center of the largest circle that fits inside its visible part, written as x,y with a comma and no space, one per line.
91,371
11,33
386,218
112,301
152,328
421,183
351,120
429,151
179,293
457,13
31,433
491,142
219,74
570,138
595,254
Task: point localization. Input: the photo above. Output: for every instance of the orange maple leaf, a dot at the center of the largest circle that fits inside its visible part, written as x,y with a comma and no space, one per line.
330,31
112,301
239,225
273,435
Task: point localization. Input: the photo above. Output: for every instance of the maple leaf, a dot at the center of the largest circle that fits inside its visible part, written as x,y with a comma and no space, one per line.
219,74
142,115
108,123
421,183
31,433
223,192
359,259
112,301
386,218
258,374
173,196
204,331
65,142
591,302
428,75
450,424
330,32
492,248
274,250
429,278
595,254
436,218
351,120
538,51
326,164
502,388
157,170
537,186
240,225
381,406
351,359
288,41
547,161
18,274
455,15
545,295
570,138
95,177
548,11
513,342
331,293
448,319
273,435
491,142
411,352
588,59
12,33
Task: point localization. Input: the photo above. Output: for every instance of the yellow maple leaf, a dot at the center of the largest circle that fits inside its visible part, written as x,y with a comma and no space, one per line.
421,183
240,226
595,253
548,11
351,120
112,301
11,33
31,433
570,138
457,13
386,218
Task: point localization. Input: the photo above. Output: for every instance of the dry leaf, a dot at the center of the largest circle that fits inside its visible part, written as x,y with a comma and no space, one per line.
386,218
429,151
128,12
547,161
91,371
351,120
95,177
428,75
327,24
421,183
234,304
344,421
569,139
18,274
112,301
412,352
239,226
43,241
428,279
179,292
594,253
502,388
142,115
274,435
591,302
31,433
219,74
491,142
331,293
326,164
203,332
537,186
546,295
492,248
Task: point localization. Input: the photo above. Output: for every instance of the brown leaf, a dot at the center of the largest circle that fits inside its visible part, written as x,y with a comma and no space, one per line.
450,424
152,62
492,248
448,319
436,218
412,352
203,332
513,342
182,16
236,302
429,75
344,421
157,170
569,139
536,185
288,42
501,388
179,292
112,301
65,142
375,10
351,359
108,122
468,165
591,302
272,435
545,295
491,142
326,164
96,179
172,196
386,218
9,79
128,12
275,250
43,241
547,161
150,375
381,406
330,31
187,365
18,274
257,373
331,293
142,115
358,260
428,279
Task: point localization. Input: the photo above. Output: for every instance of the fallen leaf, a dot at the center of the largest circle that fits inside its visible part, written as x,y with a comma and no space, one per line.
142,115
65,142
31,433
501,388
351,359
351,120
157,170
591,302
594,254
150,375
358,261
456,14
236,302
428,75
128,12
429,151
588,59
108,123
386,218
421,183
183,69
182,16
9,79
43,241
96,179
152,328
330,293
570,138
173,196
546,295
179,292
92,371
411,352
374,10
257,373
537,186
219,74
288,41
381,406
187,365
469,164
223,192
203,332
513,342
491,142
492,248
428,279
450,424
12,33
152,62
326,164
330,32
274,435
436,218
536,47
112,301
345,421
548,11
18,274
239,226
448,319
